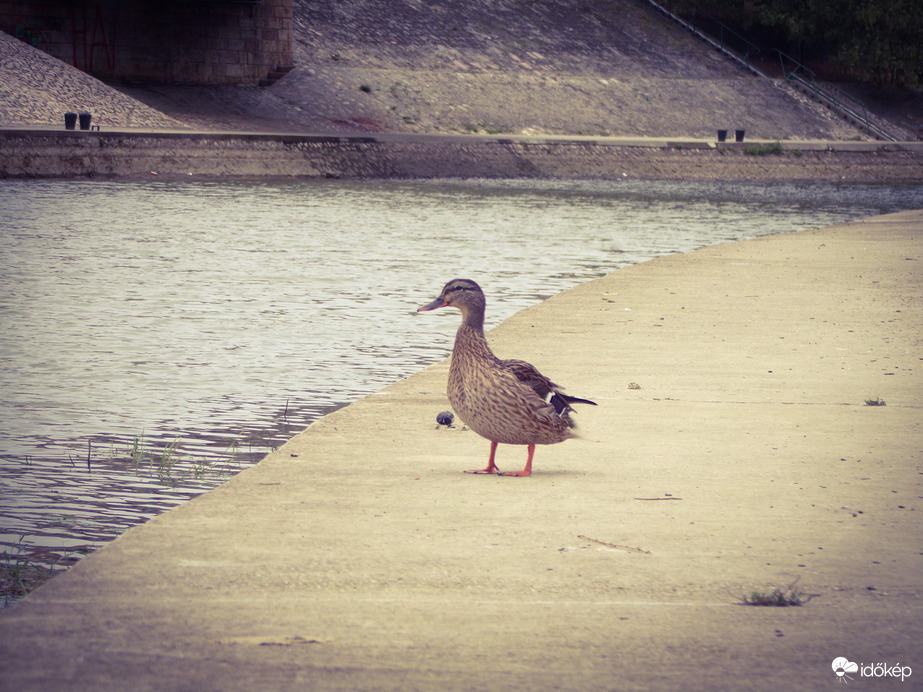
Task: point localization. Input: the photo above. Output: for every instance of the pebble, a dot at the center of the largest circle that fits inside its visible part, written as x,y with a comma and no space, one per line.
445,418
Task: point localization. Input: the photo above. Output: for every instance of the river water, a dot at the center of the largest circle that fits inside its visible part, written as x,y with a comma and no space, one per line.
159,336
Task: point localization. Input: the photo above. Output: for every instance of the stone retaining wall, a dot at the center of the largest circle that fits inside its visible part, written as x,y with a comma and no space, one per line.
30,153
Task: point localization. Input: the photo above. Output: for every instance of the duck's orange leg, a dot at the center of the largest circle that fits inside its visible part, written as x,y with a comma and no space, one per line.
527,471
491,466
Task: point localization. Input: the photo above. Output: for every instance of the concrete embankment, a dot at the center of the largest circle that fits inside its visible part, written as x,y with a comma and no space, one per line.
54,153
732,451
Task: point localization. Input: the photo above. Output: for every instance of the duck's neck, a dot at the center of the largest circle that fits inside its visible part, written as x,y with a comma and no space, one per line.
474,319
470,341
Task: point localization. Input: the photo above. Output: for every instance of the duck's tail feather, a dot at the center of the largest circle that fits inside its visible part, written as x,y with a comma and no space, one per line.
562,402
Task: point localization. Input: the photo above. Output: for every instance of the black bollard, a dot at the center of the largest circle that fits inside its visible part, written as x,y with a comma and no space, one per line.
70,121
85,119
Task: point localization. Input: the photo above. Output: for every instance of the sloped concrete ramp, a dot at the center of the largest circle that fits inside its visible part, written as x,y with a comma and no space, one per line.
732,452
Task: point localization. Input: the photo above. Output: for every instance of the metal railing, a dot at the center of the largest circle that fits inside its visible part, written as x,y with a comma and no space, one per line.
721,45
806,79
792,70
728,38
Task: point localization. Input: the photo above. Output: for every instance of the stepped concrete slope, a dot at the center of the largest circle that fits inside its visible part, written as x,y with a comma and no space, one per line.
616,68
732,452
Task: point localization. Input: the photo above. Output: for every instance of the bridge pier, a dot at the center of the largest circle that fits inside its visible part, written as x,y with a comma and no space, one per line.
200,42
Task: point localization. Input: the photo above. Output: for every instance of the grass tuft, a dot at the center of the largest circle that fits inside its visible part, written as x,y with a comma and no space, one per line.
170,464
19,575
777,597
765,149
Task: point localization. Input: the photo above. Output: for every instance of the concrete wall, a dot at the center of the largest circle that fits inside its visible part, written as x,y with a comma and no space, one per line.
44,153
193,42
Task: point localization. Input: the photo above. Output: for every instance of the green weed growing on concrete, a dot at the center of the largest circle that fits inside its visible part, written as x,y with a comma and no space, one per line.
19,575
777,597
765,149
475,128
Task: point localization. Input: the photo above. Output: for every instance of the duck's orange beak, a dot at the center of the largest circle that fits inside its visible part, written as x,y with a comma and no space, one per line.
440,302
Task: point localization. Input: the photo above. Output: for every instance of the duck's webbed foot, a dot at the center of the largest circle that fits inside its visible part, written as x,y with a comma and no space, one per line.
527,471
491,466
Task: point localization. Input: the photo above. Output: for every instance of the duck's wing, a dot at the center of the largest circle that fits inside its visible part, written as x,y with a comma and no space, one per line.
529,375
550,392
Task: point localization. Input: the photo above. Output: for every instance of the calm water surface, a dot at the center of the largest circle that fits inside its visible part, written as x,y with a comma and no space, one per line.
222,318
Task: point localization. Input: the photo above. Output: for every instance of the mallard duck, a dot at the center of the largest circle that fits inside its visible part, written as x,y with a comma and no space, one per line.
506,401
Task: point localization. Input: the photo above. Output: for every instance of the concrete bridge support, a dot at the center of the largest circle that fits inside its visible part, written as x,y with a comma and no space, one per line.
142,41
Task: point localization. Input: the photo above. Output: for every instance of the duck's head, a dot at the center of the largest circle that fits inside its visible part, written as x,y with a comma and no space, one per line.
463,294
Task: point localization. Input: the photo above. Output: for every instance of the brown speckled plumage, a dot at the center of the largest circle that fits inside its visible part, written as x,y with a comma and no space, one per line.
506,401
